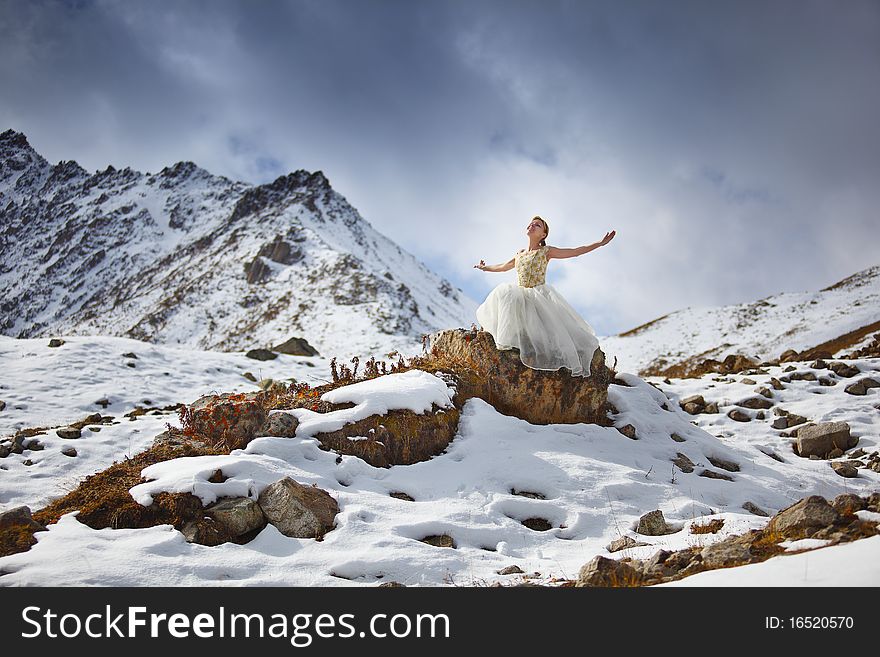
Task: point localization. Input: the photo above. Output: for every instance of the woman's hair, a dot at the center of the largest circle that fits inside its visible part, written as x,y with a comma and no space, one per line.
546,229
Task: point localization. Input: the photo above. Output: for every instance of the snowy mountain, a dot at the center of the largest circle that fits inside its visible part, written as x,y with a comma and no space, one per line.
839,318
183,256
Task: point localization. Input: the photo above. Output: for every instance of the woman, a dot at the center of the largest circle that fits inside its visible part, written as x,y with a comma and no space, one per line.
532,316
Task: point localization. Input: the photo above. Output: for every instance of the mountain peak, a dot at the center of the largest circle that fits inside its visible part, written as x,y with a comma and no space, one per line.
12,139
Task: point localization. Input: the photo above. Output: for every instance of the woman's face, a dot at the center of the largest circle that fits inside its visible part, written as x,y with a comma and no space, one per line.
536,227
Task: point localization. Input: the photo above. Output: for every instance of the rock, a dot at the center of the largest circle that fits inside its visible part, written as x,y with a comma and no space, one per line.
250,377
764,391
858,453
298,511
70,433
749,382
103,402
677,438
683,462
776,383
819,439
825,381
819,364
401,496
537,524
205,531
510,570
499,378
755,402
439,540
857,388
759,415
261,354
755,509
296,347
2,405
780,423
17,529
281,424
629,431
873,502
848,503
835,453
400,437
238,515
4,451
692,408
803,518
624,543
730,466
230,419
56,342
788,355
737,363
843,370
711,407
602,571
693,399
653,524
711,474
724,554
69,451
794,420
738,415
130,354
848,469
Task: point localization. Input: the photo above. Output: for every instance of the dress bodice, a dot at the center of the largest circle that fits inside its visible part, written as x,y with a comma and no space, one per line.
531,267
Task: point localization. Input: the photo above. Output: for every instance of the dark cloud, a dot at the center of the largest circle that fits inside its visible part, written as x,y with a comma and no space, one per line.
732,145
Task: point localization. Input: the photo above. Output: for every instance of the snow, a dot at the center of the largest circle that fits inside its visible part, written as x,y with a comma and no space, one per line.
594,482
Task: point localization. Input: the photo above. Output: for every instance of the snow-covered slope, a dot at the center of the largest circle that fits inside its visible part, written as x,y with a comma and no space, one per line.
185,257
595,482
762,329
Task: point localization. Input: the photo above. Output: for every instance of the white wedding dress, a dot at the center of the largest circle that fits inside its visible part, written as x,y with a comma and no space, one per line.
533,317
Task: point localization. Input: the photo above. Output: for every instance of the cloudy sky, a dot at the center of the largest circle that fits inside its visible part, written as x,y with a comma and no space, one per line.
733,146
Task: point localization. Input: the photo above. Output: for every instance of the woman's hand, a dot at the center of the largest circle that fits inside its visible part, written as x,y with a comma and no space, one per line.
481,265
608,237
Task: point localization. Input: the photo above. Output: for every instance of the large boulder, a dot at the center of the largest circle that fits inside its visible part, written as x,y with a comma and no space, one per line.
298,511
803,518
821,438
17,529
238,515
296,347
231,419
602,571
499,378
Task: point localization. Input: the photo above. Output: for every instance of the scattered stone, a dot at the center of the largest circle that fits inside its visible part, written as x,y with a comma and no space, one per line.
510,570
848,469
677,438
755,509
711,407
602,571
624,543
692,408
755,402
205,531
525,493
835,453
629,431
296,347
69,451
261,354
776,383
711,474
825,381
764,391
130,354
281,424
103,402
730,466
4,451
725,553
848,503
2,404
69,433
858,453
17,529
819,364
780,423
298,511
759,415
738,415
747,381
401,496
653,524
250,377
857,388
803,518
843,370
683,462
56,342
238,515
231,419
537,524
439,540
819,439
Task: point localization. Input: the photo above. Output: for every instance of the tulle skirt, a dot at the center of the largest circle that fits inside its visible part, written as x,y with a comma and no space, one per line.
538,321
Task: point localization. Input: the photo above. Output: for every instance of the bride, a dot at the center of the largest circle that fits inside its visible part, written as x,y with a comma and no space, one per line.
532,316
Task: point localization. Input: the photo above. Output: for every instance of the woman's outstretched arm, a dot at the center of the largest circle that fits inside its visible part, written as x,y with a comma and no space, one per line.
507,266
556,252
